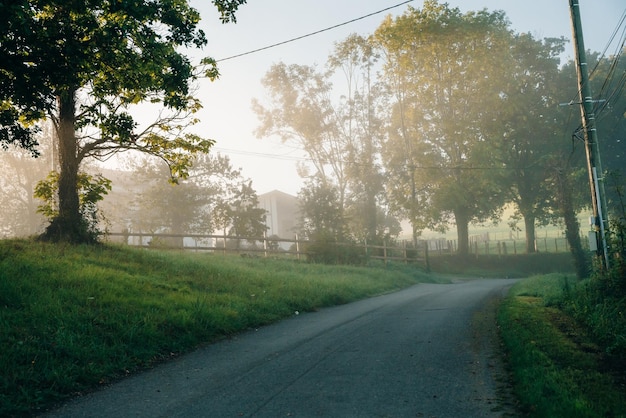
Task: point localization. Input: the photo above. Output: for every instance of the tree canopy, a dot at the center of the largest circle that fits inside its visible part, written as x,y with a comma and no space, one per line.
85,64
450,67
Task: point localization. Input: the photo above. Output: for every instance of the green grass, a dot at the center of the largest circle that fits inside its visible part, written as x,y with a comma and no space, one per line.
558,368
75,317
520,265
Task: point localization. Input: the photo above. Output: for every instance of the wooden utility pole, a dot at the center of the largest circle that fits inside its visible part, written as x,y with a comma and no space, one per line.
596,183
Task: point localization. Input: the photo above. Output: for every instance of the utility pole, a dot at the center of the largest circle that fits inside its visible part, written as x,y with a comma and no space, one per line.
596,183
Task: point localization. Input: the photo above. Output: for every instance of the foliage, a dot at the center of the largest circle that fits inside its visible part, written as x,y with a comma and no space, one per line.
555,365
512,266
245,217
91,190
75,318
325,249
528,131
18,212
337,124
607,85
86,65
567,339
214,197
600,302
446,74
320,211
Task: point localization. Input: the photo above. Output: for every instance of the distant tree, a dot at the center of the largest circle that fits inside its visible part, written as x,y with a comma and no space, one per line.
19,176
18,211
320,211
214,197
359,122
336,124
451,66
245,216
301,110
85,64
161,206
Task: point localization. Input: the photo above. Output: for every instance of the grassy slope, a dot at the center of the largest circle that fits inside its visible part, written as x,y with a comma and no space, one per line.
73,318
557,368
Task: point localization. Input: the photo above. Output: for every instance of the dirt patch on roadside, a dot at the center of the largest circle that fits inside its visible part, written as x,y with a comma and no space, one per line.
489,366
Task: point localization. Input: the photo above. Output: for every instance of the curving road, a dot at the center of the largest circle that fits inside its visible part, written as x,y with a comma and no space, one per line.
422,352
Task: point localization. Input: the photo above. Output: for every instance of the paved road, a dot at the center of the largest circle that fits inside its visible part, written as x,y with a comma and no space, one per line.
421,352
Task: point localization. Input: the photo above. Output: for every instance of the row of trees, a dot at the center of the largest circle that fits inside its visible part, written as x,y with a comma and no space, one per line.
440,118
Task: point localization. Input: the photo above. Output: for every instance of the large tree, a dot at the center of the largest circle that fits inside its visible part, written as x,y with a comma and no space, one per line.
451,65
528,131
85,64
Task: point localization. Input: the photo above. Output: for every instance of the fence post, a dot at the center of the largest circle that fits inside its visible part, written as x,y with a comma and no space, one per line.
406,260
385,251
265,243
367,254
297,248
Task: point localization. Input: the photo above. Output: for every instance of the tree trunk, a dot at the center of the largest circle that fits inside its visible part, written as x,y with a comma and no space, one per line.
462,228
572,227
529,226
371,216
68,225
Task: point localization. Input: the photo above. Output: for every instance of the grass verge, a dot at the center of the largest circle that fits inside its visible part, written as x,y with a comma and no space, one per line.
73,318
557,367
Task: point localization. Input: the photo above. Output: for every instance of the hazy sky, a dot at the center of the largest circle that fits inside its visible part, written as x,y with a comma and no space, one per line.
227,116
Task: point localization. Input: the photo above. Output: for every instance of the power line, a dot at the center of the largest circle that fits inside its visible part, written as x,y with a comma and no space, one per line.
312,33
355,163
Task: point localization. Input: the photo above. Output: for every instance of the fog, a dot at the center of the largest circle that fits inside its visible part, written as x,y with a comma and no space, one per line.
390,147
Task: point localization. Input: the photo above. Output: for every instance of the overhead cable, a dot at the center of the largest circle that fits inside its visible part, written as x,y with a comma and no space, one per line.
312,33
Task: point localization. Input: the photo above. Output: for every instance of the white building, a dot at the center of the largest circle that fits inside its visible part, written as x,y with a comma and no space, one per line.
282,213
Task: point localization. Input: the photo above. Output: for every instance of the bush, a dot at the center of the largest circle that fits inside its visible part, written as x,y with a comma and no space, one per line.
326,250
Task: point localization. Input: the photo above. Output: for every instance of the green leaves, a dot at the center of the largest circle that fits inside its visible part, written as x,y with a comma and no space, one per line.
92,189
227,9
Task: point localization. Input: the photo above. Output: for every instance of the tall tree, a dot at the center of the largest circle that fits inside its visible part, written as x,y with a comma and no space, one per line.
85,64
336,123
301,110
528,131
359,123
452,65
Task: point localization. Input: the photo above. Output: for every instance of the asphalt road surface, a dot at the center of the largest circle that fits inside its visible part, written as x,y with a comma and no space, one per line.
425,351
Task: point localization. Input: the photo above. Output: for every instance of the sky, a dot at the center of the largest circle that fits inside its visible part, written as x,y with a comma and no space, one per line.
227,116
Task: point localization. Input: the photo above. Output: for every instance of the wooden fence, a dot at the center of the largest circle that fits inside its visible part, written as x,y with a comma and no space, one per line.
265,246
